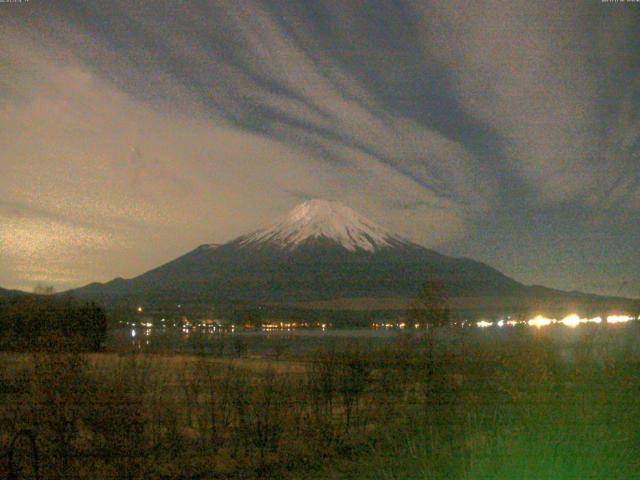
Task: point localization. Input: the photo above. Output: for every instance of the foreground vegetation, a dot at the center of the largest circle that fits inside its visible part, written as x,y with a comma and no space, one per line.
44,322
521,411
513,408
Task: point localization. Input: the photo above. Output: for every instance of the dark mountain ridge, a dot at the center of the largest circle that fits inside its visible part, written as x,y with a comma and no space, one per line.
320,251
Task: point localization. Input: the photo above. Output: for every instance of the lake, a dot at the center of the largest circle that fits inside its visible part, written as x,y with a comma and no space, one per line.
610,338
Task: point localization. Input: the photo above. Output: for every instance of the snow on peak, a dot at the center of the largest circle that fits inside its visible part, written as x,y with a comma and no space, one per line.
324,219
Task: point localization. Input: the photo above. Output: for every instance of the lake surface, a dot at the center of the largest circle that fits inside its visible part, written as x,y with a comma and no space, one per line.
608,338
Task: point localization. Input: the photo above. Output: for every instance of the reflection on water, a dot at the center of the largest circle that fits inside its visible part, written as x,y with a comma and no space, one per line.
615,335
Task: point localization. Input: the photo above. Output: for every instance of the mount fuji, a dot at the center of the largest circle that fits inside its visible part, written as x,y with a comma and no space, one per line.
320,251
322,219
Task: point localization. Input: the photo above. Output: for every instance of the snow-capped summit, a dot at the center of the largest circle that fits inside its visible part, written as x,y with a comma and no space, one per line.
320,250
324,219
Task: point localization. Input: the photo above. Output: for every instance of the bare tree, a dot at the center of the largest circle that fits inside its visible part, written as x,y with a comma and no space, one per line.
430,309
44,289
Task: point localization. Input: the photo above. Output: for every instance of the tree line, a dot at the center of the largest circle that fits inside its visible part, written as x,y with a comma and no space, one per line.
50,322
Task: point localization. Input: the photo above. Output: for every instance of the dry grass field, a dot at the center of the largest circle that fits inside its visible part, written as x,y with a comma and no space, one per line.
501,408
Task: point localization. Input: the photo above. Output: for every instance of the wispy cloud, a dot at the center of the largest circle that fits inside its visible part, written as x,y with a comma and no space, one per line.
149,127
549,79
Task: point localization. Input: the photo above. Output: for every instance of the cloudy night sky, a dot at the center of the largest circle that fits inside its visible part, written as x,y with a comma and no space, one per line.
505,131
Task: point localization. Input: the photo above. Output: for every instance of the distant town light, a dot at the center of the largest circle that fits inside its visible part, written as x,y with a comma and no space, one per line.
571,320
619,318
540,321
139,309
574,320
484,324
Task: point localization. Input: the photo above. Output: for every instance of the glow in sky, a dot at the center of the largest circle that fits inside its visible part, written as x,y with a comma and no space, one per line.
508,132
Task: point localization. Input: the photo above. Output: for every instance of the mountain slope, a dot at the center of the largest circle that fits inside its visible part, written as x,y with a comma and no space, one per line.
319,251
6,294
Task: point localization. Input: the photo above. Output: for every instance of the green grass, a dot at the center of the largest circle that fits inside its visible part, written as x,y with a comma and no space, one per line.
528,418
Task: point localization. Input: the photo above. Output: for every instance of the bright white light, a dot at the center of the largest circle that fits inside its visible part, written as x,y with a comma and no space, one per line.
133,333
501,323
484,324
139,309
572,320
618,318
541,321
